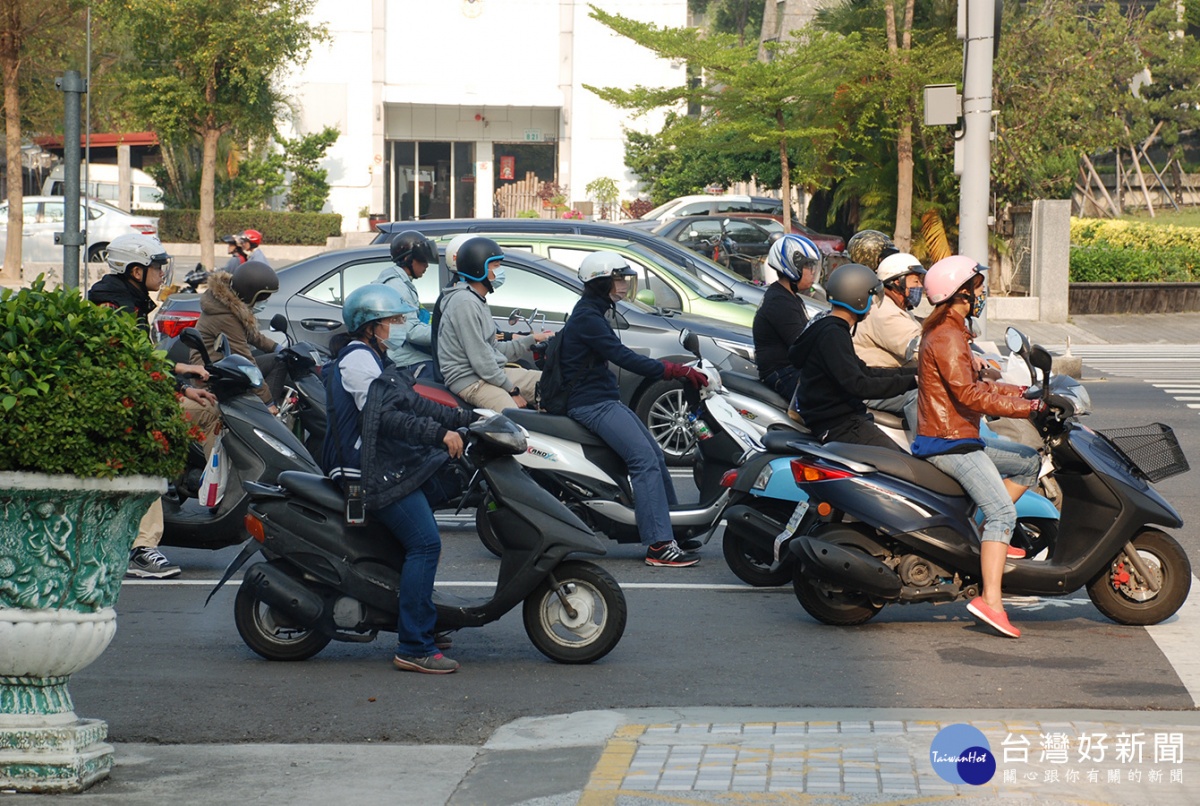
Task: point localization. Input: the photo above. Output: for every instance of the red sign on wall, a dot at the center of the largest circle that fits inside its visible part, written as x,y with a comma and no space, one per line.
508,167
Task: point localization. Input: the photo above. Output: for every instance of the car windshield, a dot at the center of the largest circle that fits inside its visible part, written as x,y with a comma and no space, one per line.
658,211
694,283
715,277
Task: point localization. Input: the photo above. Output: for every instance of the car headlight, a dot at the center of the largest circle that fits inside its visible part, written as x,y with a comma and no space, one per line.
740,348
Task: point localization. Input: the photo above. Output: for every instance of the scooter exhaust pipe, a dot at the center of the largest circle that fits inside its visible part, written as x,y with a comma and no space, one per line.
848,567
753,527
286,595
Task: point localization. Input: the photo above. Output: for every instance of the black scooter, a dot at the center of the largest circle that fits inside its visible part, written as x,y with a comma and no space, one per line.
326,581
893,528
258,447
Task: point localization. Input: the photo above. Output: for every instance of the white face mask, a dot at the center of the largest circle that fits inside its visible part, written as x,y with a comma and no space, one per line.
620,289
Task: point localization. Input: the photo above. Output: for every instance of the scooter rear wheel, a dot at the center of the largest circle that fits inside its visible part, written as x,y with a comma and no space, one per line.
830,604
752,564
1117,593
269,633
599,620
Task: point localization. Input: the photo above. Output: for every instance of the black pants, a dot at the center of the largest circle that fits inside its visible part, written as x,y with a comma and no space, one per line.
860,430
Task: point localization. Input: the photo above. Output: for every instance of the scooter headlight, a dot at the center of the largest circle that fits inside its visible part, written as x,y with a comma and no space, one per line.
276,444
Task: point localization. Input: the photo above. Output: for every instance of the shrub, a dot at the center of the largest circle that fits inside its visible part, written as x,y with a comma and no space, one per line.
285,229
82,390
1128,251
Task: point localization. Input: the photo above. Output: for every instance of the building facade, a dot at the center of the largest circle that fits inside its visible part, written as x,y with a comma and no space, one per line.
442,104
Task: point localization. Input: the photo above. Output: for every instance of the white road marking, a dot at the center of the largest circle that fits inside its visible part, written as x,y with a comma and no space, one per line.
689,586
1176,639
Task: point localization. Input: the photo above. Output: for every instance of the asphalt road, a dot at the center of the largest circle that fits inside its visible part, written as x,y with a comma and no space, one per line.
177,672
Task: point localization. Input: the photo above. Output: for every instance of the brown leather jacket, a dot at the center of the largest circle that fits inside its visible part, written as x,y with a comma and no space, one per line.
950,397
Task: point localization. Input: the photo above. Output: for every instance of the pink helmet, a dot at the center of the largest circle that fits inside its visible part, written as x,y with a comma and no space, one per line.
948,275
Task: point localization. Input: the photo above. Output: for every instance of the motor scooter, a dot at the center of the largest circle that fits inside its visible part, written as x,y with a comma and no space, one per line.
323,580
257,447
302,404
892,528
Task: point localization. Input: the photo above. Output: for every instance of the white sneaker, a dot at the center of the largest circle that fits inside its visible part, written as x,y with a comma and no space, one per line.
147,562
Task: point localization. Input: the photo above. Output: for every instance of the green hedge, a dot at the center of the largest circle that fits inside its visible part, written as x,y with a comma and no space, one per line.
286,229
1105,250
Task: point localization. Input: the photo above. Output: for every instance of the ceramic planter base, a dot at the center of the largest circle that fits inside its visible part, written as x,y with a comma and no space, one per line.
64,548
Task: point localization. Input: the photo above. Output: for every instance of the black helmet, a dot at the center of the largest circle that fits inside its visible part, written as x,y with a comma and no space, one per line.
869,247
254,281
412,244
853,286
474,256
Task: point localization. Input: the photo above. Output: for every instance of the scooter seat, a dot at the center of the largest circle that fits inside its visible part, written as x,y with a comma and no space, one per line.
780,441
885,419
900,465
553,425
322,491
752,387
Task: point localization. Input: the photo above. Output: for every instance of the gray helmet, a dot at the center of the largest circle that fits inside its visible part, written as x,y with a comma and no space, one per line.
854,287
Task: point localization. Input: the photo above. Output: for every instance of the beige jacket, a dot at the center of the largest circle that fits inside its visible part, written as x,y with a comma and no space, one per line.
882,338
222,311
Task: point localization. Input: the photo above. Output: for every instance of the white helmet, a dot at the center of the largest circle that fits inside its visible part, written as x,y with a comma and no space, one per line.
898,265
136,249
791,254
452,251
604,264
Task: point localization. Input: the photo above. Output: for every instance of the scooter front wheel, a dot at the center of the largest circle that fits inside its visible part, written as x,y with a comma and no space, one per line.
593,624
1118,593
269,633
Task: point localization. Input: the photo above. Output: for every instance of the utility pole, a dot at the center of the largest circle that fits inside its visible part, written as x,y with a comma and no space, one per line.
72,87
979,21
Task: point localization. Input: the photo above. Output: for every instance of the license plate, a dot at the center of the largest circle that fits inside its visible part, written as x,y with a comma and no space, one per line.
792,525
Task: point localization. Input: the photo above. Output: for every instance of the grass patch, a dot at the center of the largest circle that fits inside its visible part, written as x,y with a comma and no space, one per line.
1188,217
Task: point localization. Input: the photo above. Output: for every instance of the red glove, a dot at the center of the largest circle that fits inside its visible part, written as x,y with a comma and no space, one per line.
672,371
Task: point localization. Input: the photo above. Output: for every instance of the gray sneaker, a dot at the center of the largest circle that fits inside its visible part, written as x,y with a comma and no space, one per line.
432,664
147,562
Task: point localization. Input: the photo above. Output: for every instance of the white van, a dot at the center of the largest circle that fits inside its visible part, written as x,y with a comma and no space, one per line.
102,184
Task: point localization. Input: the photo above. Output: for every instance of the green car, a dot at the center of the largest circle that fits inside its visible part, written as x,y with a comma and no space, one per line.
660,283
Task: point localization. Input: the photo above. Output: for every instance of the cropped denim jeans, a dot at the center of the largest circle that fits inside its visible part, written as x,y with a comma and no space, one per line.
410,520
982,474
653,491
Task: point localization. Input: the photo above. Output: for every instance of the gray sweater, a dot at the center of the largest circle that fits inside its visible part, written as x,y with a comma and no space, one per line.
467,348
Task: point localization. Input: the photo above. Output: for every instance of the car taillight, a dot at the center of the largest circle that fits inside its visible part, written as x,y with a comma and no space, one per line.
805,473
145,229
171,325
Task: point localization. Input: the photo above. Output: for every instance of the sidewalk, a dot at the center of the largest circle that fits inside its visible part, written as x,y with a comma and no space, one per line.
1154,328
694,755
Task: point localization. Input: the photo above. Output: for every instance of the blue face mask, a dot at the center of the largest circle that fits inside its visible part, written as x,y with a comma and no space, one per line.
499,281
912,297
395,340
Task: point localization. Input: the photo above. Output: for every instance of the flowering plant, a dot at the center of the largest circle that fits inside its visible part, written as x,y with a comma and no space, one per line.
575,214
82,390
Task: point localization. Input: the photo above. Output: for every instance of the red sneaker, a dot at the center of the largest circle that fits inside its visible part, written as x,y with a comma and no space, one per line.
1015,553
996,619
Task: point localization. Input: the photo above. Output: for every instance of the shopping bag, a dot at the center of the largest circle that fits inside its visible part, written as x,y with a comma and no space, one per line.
216,473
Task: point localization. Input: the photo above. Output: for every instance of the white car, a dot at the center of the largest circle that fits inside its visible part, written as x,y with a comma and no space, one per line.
44,216
705,205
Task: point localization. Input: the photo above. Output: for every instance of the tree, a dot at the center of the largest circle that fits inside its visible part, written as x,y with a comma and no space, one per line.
779,103
28,29
309,189
209,67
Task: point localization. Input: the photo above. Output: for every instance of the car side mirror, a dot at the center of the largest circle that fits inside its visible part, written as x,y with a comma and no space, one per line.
192,338
646,297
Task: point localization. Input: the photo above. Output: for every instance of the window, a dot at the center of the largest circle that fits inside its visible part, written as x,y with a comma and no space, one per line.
147,195
527,290
745,232
735,207
702,229
774,207
54,212
769,224
334,287
695,208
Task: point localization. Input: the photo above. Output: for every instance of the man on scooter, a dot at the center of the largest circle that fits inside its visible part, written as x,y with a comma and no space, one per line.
834,381
594,399
782,316
388,448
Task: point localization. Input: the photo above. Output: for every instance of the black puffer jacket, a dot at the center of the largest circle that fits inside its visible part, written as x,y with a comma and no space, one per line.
114,291
402,435
834,381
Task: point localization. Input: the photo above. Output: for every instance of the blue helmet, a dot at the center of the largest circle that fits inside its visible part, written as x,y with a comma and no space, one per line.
791,254
370,303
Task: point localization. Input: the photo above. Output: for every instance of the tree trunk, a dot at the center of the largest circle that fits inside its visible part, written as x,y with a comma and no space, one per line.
10,63
785,173
904,184
206,224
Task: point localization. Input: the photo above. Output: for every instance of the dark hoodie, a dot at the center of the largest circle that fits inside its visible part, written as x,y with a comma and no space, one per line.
834,381
114,291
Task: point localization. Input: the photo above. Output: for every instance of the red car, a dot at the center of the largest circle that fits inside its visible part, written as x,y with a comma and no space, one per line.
774,223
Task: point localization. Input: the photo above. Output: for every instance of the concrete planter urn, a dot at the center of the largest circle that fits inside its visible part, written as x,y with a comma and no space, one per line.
64,549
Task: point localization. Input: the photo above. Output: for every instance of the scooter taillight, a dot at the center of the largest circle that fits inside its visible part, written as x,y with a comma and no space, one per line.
729,478
806,473
255,527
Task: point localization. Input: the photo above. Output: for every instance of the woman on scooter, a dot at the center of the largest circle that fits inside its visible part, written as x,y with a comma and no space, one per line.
388,448
950,401
594,400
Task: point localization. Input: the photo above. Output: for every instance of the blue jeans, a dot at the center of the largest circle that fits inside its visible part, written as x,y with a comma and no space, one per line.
783,381
982,474
616,424
410,520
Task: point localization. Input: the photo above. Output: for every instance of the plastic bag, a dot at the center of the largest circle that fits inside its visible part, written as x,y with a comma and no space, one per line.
216,473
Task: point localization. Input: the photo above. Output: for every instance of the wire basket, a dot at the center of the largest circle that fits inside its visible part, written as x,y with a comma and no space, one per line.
1152,449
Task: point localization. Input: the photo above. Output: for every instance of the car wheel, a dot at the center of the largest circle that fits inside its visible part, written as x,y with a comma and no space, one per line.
664,410
98,253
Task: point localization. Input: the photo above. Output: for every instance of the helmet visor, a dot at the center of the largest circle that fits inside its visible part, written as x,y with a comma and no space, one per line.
166,264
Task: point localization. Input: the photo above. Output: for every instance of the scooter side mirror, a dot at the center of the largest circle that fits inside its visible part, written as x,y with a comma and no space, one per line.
279,323
1041,359
690,342
192,338
222,345
1016,340
515,316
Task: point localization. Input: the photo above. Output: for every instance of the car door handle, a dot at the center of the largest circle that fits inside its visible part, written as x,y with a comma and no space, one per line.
320,325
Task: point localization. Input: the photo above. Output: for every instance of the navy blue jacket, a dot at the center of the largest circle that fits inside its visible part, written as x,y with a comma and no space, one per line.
589,341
